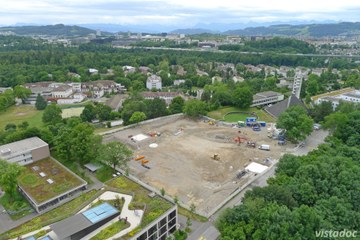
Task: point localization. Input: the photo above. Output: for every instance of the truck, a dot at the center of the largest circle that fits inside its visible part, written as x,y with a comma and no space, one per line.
264,147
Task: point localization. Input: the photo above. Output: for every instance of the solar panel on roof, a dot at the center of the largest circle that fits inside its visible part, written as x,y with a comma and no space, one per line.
100,212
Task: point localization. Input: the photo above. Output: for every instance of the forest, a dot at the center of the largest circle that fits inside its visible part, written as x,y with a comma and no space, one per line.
281,45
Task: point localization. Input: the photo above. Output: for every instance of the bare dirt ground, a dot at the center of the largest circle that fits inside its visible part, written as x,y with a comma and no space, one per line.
182,164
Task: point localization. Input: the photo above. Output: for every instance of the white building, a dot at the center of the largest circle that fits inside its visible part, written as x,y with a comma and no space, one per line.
153,81
265,98
178,82
167,96
93,71
25,151
335,97
62,91
75,98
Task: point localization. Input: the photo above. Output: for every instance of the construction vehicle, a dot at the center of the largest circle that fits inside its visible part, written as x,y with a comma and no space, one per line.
154,134
144,162
139,158
211,122
239,140
251,144
216,157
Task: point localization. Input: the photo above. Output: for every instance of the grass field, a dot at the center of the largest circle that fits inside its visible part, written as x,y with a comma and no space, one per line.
19,114
221,112
72,112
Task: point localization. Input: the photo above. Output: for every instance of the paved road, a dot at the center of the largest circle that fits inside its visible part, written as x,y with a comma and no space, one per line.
312,142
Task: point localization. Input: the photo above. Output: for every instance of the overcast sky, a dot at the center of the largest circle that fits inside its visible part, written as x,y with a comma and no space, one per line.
185,13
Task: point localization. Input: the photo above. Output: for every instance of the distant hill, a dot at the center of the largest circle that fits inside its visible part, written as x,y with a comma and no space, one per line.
192,31
312,30
50,30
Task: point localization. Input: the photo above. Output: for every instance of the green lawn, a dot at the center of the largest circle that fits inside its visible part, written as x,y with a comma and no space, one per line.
111,230
105,173
19,114
221,112
72,112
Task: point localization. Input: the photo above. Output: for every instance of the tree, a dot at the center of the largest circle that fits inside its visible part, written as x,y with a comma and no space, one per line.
137,117
9,172
23,125
77,142
115,154
242,97
103,112
195,108
10,127
156,108
312,85
296,122
322,110
177,105
40,103
22,92
130,107
52,114
89,113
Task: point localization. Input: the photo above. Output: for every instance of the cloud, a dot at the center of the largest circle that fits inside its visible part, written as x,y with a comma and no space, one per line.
174,12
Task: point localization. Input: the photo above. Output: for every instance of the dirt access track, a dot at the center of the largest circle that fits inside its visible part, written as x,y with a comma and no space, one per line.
182,162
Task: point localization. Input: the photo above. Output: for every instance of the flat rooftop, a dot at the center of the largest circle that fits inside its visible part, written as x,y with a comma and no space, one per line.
267,94
22,146
81,221
46,179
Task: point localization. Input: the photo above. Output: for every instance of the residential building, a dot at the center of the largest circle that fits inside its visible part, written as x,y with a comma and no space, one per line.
265,98
75,98
144,70
98,88
167,96
153,81
25,151
179,81
62,91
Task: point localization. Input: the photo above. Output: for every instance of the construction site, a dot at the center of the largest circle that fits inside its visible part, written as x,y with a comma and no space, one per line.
200,162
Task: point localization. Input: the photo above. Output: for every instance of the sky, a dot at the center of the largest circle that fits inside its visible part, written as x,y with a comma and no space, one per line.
184,13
